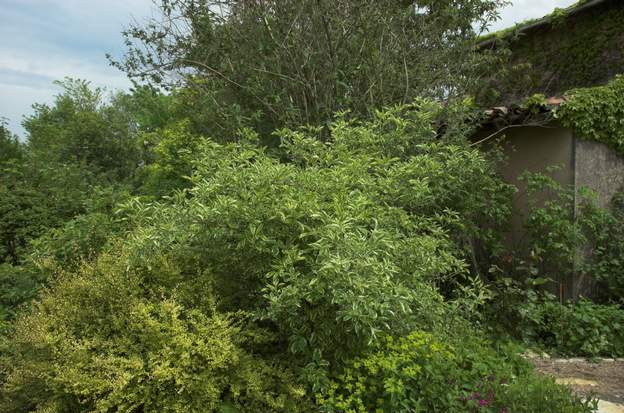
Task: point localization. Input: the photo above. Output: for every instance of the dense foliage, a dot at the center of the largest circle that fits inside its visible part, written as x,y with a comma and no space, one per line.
566,234
582,329
102,343
34,197
60,186
267,64
81,128
10,147
263,279
264,237
418,373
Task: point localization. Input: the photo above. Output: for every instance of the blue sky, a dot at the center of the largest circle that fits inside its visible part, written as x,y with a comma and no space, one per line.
45,40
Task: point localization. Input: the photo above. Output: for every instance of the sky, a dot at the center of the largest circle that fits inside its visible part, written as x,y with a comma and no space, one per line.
46,40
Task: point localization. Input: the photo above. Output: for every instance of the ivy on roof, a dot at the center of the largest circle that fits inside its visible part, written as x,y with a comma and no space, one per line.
555,17
582,50
593,113
596,113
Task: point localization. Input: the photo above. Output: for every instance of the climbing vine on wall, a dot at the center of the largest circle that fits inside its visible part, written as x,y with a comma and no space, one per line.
596,113
569,51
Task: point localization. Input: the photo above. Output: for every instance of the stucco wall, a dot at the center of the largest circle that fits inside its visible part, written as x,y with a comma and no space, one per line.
583,163
599,168
535,149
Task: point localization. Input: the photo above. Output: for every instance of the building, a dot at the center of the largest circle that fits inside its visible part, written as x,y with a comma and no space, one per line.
579,47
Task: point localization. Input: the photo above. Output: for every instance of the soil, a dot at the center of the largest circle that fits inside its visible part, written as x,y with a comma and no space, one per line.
603,379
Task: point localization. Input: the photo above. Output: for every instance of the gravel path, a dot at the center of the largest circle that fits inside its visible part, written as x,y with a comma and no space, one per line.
603,379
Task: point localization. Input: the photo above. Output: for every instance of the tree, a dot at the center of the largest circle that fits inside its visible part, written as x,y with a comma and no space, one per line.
149,108
36,196
76,148
81,127
10,146
271,63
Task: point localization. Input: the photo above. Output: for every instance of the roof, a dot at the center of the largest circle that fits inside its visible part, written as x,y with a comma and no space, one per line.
501,116
522,28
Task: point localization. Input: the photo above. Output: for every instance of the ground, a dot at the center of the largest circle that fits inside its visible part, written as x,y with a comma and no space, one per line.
604,378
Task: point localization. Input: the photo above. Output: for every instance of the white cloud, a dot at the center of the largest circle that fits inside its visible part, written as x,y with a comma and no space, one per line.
59,65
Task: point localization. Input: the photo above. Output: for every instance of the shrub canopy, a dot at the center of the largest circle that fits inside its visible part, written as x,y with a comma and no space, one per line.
310,261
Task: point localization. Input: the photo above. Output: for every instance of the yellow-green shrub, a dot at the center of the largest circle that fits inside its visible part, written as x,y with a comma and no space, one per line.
420,373
102,342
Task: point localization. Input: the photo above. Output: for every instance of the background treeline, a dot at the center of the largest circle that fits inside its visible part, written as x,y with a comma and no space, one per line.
288,217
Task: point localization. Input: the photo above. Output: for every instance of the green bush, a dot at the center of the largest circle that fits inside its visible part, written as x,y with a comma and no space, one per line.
258,282
80,238
18,285
581,329
607,260
60,247
100,343
568,232
555,234
528,313
419,373
174,151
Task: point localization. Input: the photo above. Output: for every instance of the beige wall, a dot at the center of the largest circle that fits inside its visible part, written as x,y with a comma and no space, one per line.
534,149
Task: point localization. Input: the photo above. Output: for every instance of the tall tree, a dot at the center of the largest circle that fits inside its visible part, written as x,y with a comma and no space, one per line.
285,62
